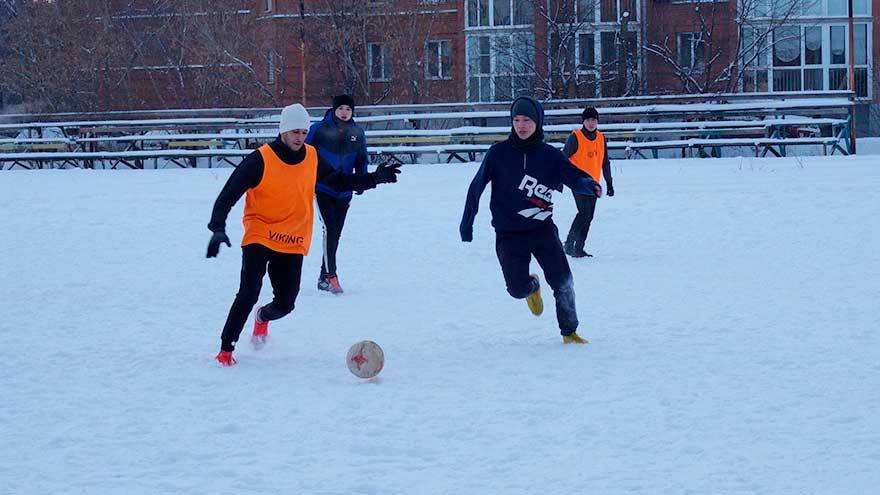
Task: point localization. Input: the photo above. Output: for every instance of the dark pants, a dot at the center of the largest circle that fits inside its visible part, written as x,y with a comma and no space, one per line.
580,227
333,211
284,275
515,251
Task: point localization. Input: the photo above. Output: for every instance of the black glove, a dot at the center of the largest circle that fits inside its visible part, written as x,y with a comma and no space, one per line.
386,173
467,234
610,191
218,238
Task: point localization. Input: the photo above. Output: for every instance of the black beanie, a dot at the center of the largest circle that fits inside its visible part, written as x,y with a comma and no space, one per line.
343,100
524,106
590,113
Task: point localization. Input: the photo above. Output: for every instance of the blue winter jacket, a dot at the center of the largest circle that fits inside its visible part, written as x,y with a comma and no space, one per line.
343,145
522,184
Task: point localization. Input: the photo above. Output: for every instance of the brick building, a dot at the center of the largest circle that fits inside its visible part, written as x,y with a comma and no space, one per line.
492,50
250,53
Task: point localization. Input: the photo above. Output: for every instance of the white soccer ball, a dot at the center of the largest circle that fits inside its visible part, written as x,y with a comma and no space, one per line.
365,359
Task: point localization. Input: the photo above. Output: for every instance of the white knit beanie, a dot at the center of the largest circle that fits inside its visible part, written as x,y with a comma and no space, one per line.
294,117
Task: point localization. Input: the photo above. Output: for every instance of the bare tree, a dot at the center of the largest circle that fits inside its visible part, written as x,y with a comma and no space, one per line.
709,57
53,53
407,27
338,30
200,53
374,49
84,55
569,61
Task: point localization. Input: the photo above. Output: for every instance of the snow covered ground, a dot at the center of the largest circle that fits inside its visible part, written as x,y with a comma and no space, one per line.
731,307
868,146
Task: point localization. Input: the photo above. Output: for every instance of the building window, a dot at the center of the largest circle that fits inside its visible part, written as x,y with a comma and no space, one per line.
499,13
500,66
617,10
586,51
809,58
270,64
691,51
782,9
756,57
787,46
379,61
585,10
838,7
270,5
813,77
608,42
439,63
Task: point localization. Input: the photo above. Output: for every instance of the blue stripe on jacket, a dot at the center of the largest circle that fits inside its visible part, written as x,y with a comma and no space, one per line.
344,146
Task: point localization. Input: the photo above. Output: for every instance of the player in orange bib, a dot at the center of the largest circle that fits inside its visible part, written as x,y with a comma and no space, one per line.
278,180
587,150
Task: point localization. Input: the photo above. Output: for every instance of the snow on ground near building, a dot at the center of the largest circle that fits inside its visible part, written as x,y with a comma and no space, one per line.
731,307
868,146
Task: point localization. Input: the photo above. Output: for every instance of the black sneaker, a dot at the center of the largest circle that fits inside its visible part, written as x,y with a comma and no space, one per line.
576,252
324,284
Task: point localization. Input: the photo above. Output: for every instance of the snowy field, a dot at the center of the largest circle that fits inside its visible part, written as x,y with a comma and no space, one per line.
732,308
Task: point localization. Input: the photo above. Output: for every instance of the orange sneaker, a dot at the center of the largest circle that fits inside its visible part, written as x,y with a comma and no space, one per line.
335,288
225,358
261,331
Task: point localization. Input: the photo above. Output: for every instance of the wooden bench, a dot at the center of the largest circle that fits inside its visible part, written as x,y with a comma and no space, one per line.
194,143
760,146
48,147
115,159
408,140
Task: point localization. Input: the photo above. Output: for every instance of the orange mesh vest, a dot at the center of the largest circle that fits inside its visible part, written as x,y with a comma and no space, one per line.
590,154
279,212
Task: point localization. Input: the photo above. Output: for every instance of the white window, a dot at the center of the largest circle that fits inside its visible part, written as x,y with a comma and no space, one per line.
691,51
617,10
499,13
756,57
810,57
439,63
586,51
585,10
270,64
782,9
500,66
379,61
270,5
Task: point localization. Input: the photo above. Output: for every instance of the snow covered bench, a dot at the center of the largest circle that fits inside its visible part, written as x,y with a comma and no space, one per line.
760,146
115,159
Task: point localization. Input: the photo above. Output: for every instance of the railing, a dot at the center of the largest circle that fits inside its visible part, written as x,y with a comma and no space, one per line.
701,125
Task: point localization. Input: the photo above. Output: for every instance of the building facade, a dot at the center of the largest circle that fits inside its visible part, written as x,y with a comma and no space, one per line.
494,50
252,53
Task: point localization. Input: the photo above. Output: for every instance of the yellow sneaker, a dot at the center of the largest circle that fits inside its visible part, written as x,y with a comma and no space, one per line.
574,338
536,304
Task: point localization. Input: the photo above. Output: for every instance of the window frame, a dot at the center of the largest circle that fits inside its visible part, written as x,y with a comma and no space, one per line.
430,54
386,63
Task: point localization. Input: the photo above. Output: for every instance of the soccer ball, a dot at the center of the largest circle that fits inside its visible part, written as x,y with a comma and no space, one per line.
365,359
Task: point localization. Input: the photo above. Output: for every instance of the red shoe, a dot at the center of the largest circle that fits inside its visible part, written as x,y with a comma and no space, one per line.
261,331
225,358
335,288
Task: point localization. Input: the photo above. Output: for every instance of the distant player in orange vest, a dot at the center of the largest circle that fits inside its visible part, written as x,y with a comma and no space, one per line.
279,180
587,150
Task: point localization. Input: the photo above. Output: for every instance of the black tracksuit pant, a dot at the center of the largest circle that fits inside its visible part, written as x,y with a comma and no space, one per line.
515,251
284,275
333,211
580,227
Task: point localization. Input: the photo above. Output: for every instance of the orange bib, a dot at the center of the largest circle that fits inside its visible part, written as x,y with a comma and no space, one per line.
590,154
279,212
